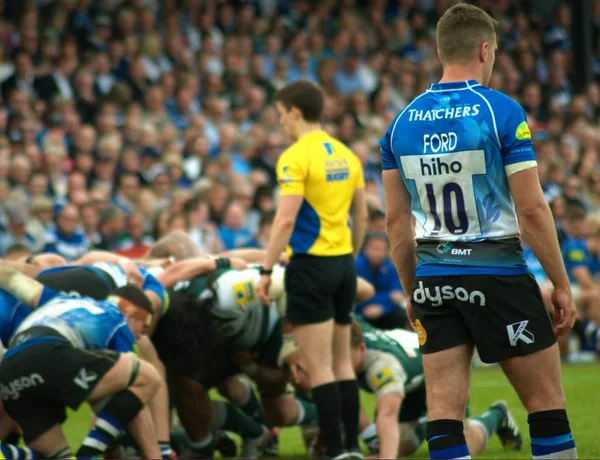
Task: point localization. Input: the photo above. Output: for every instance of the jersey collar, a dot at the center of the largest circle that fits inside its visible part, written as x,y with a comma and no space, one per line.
454,85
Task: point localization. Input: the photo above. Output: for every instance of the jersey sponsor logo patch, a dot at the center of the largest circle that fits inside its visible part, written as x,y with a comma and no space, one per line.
244,293
577,255
517,331
382,378
523,131
421,332
437,294
13,389
84,378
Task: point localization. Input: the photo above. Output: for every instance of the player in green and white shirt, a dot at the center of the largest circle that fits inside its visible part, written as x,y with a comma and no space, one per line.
389,364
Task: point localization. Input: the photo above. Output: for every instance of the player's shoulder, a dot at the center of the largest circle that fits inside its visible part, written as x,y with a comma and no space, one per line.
499,102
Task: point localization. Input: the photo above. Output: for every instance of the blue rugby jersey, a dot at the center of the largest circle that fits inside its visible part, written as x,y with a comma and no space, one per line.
455,146
86,323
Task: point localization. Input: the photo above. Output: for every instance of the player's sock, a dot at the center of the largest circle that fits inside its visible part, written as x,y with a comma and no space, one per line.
551,435
110,424
592,334
421,431
166,451
205,448
446,439
250,404
60,454
489,422
370,438
350,410
13,452
329,409
307,413
229,418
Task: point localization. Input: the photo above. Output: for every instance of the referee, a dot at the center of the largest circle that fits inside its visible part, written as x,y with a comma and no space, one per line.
320,181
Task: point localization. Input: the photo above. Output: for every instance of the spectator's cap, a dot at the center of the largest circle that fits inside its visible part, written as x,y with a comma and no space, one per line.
41,204
173,159
59,206
156,171
101,157
103,20
16,216
56,119
151,152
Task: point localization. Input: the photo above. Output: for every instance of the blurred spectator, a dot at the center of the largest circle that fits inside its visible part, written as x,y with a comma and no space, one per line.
16,232
232,231
67,238
111,223
134,243
386,309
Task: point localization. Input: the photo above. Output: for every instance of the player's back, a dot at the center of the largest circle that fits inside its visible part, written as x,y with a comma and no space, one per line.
327,173
455,146
400,343
84,322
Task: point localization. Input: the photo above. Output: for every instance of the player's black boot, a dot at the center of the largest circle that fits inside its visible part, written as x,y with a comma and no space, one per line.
508,432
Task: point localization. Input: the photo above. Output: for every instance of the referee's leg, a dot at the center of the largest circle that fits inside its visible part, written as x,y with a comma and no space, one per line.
310,310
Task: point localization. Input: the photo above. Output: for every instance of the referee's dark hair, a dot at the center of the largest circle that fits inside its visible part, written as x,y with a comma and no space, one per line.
135,295
305,96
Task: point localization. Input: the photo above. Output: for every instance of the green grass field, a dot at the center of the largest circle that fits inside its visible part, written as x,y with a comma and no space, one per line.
581,382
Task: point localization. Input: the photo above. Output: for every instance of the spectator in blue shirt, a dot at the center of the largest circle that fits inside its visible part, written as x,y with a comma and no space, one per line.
347,79
232,232
385,310
67,239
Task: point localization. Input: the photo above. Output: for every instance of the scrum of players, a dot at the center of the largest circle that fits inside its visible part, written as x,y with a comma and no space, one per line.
144,342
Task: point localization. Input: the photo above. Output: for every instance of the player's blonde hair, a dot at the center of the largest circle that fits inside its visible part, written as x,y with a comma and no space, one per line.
356,336
461,30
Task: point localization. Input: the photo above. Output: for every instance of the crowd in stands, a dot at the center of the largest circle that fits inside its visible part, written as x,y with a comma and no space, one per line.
124,120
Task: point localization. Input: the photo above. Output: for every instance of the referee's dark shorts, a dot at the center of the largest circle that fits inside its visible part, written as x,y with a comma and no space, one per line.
320,288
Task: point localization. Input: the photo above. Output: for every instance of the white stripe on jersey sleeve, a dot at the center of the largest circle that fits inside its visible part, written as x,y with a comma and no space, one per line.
521,166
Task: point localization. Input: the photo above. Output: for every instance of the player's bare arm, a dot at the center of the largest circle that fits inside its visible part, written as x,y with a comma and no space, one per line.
24,288
188,269
399,227
388,409
537,226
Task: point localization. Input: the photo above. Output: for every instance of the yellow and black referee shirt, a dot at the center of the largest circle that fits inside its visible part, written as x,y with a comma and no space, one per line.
326,173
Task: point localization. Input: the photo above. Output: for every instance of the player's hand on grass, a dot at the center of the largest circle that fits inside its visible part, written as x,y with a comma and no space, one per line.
372,311
263,289
565,311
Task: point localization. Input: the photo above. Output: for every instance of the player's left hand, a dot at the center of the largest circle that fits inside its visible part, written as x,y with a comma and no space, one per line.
132,272
565,311
263,289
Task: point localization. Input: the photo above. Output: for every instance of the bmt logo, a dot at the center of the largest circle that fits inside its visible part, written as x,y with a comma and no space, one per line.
445,247
461,252
437,167
439,294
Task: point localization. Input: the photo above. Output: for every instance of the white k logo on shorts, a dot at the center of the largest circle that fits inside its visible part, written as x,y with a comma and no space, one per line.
83,378
517,331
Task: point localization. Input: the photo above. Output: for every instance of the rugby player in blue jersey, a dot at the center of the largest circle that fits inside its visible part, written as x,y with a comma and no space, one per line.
75,350
459,161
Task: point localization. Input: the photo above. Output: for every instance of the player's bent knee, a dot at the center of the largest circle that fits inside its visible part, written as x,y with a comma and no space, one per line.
145,381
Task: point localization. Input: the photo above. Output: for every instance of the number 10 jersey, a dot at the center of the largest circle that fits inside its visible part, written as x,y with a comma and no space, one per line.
455,146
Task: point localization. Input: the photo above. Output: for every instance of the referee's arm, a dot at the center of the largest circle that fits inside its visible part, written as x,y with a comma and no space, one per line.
283,225
359,219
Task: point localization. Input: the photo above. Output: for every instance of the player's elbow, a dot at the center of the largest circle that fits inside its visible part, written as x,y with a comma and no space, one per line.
286,223
533,214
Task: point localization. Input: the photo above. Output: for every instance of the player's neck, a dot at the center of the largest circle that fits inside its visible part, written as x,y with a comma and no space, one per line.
454,73
303,128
